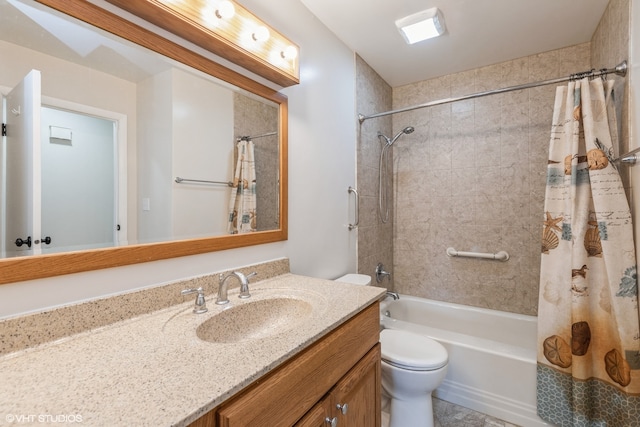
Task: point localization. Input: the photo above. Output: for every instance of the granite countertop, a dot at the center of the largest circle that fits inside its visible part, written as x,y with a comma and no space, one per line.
154,370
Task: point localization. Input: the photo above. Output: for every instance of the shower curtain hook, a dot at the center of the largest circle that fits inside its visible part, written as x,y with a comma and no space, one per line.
603,72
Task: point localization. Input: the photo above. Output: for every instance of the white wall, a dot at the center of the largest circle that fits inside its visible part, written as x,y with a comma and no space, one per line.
322,134
185,129
154,140
202,149
634,114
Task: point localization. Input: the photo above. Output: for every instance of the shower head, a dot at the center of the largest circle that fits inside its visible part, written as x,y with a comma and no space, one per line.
390,141
405,131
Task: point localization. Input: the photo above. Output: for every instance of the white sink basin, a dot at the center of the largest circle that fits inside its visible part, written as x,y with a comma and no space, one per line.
254,320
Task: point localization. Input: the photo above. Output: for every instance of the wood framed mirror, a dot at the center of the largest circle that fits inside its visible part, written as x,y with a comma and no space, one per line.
21,268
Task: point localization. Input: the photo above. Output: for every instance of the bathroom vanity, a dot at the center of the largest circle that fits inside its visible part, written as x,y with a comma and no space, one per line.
337,378
300,351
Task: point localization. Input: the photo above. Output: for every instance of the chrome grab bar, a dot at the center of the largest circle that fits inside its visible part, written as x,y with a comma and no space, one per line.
357,209
498,256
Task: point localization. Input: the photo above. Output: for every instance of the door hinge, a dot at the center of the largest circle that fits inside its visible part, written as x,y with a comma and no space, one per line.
4,129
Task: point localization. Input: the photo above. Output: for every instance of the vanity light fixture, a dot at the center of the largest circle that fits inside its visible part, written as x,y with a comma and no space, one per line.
422,25
227,29
261,34
290,52
225,10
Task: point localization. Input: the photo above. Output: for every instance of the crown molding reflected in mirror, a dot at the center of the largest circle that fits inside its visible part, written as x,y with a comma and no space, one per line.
41,266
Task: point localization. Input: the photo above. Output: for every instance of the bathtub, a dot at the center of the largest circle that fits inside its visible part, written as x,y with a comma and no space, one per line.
492,354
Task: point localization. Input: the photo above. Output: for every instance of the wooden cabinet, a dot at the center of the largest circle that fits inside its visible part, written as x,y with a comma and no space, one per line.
354,401
358,393
317,416
342,367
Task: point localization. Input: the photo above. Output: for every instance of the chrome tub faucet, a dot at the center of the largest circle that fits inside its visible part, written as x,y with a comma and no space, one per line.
381,273
393,295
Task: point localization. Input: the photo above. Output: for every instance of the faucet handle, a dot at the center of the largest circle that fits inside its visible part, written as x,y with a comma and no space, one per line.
244,285
200,304
381,273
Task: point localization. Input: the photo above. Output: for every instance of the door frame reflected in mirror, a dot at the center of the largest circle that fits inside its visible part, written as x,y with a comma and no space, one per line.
41,266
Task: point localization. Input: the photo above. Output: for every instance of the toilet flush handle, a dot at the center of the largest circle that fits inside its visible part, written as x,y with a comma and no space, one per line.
343,408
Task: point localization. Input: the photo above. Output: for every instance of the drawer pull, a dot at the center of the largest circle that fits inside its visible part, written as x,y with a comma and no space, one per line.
333,422
343,408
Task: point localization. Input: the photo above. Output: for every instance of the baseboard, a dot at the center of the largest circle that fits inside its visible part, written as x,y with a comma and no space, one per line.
504,408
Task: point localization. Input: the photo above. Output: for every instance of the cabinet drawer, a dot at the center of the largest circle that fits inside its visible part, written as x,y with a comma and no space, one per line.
286,394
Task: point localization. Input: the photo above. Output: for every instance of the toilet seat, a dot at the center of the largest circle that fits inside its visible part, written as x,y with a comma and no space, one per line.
407,350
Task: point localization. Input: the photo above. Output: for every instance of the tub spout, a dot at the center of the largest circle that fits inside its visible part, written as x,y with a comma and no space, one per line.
381,273
393,295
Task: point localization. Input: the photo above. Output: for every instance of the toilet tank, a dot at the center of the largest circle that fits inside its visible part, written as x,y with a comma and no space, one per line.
355,279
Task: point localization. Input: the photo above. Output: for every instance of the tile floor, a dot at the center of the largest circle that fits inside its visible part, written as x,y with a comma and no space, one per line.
450,415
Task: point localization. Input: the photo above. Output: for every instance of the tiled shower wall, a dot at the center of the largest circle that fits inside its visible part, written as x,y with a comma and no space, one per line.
610,46
375,239
472,175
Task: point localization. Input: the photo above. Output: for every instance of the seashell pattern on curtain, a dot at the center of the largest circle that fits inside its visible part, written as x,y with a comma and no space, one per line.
588,326
242,200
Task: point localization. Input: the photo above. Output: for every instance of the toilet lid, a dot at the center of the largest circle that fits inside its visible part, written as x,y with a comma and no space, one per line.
412,351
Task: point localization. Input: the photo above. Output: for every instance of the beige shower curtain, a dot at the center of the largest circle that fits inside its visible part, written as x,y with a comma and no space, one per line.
242,202
588,328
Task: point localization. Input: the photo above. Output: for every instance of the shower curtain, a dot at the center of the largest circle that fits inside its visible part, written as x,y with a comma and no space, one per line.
588,328
242,202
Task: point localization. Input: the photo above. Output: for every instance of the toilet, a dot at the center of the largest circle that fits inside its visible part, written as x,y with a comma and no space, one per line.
412,367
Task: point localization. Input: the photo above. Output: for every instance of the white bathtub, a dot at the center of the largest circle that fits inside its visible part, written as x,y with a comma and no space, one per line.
492,354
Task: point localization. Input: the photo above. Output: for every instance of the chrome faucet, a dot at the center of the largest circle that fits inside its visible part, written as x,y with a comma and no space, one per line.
393,295
244,286
381,273
200,305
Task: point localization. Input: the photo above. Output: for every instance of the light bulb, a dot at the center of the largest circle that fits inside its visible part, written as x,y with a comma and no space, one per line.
289,53
261,34
225,10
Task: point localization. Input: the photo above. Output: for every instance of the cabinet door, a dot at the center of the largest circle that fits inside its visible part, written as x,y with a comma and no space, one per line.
318,416
356,397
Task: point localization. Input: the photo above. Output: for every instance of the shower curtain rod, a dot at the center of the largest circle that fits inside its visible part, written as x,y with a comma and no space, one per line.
620,69
246,138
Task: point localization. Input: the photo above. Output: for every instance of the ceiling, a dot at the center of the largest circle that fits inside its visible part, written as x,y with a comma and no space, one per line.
478,32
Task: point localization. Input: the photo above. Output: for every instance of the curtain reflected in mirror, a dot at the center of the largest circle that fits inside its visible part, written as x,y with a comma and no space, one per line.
116,124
